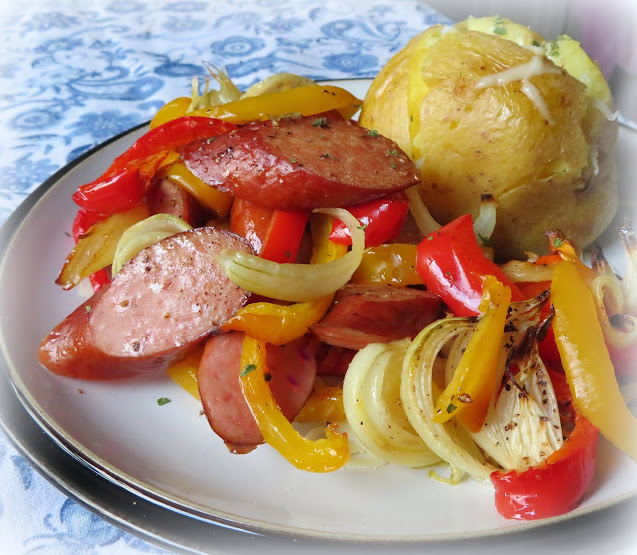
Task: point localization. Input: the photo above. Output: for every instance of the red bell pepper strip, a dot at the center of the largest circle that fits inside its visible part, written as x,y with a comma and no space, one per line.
114,194
274,234
452,265
556,485
284,236
251,221
82,222
99,279
382,218
124,183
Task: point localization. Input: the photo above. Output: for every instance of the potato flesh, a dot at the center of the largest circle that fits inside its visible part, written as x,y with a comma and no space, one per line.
494,140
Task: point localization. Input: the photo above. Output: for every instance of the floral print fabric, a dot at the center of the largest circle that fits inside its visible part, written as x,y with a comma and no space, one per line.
74,74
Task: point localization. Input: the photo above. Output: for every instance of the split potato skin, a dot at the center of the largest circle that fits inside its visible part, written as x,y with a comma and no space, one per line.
545,174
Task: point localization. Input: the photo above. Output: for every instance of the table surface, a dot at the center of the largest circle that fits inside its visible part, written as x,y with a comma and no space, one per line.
74,73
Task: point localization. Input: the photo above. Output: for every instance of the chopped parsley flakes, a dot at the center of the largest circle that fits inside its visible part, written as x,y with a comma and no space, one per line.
499,28
247,369
328,155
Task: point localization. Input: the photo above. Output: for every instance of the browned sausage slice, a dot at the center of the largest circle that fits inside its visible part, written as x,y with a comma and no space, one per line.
363,314
166,300
302,164
167,197
333,361
292,370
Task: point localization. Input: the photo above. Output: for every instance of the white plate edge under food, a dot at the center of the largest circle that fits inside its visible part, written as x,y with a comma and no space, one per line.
183,505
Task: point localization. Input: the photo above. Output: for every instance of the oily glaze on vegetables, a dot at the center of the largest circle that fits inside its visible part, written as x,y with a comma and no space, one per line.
475,372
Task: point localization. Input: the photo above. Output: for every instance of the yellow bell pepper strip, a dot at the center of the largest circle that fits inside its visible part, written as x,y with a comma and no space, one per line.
217,201
324,405
307,100
586,362
95,248
184,372
280,324
475,381
392,264
323,455
171,110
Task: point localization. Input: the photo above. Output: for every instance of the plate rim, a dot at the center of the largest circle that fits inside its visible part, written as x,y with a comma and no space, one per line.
245,526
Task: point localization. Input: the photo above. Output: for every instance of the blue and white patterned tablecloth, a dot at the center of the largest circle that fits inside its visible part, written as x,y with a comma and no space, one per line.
75,73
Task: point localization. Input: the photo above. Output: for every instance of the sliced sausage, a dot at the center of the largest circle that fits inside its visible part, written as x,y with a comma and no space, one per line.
167,197
292,369
363,314
165,301
333,361
302,164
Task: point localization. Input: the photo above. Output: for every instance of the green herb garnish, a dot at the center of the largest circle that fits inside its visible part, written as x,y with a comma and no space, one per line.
328,155
499,29
163,401
247,369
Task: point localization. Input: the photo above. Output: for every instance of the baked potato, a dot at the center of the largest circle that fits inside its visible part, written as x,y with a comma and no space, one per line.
489,106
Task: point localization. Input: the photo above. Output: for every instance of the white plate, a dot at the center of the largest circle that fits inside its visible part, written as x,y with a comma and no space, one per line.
169,455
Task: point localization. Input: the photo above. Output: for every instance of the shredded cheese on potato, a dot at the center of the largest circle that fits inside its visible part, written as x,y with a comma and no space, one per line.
524,72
